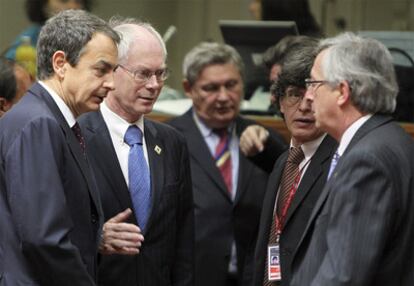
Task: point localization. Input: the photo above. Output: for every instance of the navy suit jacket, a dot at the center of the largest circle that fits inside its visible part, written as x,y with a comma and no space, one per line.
166,255
298,214
50,215
219,220
361,231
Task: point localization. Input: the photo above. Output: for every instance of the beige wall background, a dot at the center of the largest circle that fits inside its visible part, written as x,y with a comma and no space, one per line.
196,20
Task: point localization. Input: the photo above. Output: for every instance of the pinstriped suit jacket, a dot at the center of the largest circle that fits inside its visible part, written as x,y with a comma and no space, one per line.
361,232
166,255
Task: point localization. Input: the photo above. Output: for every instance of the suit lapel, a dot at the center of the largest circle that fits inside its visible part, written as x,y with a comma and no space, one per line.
155,149
199,150
101,140
71,140
314,171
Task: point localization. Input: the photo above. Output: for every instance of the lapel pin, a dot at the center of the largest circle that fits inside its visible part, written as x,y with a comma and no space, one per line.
157,149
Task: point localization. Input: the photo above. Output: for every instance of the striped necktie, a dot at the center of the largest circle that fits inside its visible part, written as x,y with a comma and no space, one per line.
223,158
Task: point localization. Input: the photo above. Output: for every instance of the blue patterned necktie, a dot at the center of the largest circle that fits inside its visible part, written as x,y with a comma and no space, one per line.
334,161
138,176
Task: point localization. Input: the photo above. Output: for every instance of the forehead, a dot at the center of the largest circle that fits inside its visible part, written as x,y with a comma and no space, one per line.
146,51
100,48
219,73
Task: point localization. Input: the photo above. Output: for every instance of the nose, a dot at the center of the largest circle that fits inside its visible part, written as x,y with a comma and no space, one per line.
309,95
305,104
152,82
109,81
222,94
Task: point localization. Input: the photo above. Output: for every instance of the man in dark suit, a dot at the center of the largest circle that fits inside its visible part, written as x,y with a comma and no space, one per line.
50,213
228,189
288,91
163,213
361,231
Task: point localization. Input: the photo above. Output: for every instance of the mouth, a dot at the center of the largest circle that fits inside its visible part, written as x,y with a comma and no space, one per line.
305,121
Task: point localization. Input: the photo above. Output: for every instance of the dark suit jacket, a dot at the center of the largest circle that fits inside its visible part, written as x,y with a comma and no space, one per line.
361,231
310,187
166,255
219,220
50,215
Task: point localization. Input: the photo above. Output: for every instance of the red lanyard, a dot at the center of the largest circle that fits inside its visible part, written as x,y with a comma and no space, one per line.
280,221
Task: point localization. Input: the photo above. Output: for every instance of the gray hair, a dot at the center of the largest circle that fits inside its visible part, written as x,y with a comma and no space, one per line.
69,31
125,27
367,66
206,54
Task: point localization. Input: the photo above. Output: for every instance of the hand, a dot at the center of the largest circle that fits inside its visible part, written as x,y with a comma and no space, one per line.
119,237
253,139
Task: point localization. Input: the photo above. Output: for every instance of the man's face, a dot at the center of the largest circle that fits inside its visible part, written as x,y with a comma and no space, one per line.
217,94
322,95
134,97
55,6
298,116
85,85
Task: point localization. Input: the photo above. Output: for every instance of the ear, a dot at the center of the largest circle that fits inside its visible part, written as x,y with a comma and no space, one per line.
4,105
344,93
59,63
187,88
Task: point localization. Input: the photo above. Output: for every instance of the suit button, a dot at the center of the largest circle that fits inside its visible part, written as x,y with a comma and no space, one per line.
94,218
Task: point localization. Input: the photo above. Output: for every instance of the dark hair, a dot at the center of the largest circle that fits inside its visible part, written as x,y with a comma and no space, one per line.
7,79
276,53
36,9
292,10
296,67
69,31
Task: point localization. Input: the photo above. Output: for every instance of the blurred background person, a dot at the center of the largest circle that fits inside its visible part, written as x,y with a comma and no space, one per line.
14,82
38,11
287,10
228,189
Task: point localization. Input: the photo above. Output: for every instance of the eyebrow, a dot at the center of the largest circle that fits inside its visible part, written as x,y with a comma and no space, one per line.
105,64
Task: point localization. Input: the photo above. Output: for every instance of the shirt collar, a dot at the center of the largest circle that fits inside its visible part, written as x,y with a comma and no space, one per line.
204,129
67,113
309,148
118,126
350,132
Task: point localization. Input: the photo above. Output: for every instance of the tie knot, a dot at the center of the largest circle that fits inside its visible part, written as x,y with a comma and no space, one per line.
76,128
133,135
222,132
296,155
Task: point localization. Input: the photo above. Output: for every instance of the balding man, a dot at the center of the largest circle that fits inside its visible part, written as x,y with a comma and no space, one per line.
142,170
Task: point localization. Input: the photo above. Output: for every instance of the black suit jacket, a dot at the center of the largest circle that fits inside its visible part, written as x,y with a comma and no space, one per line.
298,214
219,220
50,215
166,255
361,231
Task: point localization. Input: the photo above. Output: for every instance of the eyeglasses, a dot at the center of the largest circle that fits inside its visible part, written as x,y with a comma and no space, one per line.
314,84
144,75
293,95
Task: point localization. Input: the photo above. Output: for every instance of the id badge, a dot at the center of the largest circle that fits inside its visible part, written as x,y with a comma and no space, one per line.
273,262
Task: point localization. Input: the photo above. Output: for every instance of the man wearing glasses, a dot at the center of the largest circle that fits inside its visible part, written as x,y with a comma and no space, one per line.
142,171
296,182
361,231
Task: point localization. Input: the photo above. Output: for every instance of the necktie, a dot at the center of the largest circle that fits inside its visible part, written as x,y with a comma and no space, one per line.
223,158
334,161
290,172
138,176
78,134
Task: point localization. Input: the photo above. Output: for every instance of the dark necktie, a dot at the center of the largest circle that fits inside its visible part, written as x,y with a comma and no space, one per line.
78,133
138,176
223,158
290,173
